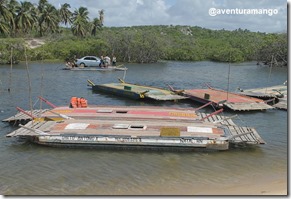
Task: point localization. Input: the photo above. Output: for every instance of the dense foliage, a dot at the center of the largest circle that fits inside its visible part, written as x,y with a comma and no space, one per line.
70,33
26,19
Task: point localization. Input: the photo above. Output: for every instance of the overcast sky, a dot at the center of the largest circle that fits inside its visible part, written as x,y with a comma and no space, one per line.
186,12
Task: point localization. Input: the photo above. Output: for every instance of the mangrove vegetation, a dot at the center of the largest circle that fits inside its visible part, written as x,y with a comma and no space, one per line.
67,33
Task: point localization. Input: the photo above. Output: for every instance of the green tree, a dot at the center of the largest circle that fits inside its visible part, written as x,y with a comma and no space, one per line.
65,14
12,5
6,17
41,9
50,18
25,17
101,16
80,22
96,24
4,27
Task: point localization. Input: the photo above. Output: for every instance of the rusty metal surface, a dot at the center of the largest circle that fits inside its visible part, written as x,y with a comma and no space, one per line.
233,101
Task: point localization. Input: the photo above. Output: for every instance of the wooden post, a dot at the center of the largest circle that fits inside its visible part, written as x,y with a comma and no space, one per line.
26,113
214,113
52,105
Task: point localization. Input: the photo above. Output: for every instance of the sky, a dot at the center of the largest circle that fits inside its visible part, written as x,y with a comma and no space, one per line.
270,15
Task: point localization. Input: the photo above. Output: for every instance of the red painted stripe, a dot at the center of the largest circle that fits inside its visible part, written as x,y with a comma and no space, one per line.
163,113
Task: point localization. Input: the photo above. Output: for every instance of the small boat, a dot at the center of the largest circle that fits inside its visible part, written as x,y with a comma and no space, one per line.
109,68
135,91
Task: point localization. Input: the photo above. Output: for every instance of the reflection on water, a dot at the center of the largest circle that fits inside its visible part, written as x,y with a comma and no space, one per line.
29,169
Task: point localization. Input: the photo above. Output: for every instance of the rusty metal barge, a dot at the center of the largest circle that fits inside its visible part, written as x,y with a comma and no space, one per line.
221,98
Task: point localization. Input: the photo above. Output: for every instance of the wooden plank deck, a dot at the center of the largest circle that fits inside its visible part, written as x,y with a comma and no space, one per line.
252,138
24,117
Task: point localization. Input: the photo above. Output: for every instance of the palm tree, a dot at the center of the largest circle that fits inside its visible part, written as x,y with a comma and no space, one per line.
50,18
12,5
25,17
4,27
41,8
5,15
101,16
96,24
80,21
65,14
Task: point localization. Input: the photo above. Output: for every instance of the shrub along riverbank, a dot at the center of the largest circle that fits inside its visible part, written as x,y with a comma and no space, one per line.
145,44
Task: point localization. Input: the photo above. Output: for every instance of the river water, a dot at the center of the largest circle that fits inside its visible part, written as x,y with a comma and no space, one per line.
28,169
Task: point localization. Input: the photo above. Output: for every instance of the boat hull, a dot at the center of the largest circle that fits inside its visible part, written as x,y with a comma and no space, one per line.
135,91
141,143
119,92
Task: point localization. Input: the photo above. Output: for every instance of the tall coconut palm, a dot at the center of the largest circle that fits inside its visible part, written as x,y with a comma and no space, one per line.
5,15
80,21
50,18
4,27
101,16
12,5
96,24
65,14
25,17
41,9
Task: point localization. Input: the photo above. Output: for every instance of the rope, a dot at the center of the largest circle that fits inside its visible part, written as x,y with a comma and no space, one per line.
35,103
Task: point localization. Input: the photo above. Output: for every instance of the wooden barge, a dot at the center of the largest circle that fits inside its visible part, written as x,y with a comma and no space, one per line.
221,98
157,127
135,91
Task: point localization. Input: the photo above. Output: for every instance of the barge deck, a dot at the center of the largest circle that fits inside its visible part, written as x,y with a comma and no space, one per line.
135,91
279,92
131,133
226,99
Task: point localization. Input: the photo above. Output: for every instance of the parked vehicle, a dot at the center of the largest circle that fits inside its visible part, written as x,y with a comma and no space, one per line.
88,61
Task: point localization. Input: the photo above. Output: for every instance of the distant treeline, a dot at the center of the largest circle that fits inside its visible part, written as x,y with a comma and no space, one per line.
70,32
146,44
